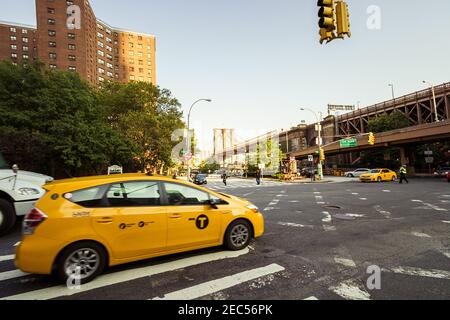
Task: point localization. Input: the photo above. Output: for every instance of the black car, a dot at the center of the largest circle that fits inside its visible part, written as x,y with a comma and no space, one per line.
200,179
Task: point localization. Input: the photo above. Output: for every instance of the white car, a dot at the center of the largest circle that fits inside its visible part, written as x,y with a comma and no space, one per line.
19,191
357,173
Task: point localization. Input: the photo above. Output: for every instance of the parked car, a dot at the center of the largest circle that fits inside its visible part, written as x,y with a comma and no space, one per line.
83,225
200,179
379,175
442,172
19,192
357,173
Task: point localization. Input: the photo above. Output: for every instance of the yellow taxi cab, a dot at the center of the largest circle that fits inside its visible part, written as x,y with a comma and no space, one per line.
83,225
379,175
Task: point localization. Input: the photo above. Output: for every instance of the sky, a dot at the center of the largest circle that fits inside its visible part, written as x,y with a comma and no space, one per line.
260,61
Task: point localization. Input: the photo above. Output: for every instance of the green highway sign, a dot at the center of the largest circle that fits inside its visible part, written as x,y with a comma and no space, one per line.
349,143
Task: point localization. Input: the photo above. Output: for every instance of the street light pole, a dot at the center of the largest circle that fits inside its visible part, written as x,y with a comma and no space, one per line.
393,94
434,99
188,151
319,129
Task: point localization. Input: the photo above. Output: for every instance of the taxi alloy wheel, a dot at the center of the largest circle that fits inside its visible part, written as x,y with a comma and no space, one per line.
238,235
379,179
83,261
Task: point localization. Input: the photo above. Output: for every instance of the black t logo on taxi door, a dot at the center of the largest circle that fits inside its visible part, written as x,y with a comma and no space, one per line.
202,222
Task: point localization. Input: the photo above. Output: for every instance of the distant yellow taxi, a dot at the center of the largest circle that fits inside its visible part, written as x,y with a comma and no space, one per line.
379,175
83,225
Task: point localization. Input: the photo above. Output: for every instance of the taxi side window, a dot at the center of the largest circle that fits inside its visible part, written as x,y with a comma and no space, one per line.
385,171
134,194
180,195
88,198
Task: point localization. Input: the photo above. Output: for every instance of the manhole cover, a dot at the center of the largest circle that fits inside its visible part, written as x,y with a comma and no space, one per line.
333,207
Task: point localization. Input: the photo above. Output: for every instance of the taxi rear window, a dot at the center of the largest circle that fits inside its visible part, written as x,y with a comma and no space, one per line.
89,198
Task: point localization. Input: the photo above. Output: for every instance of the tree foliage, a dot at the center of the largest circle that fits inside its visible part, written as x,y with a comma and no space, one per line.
53,122
383,123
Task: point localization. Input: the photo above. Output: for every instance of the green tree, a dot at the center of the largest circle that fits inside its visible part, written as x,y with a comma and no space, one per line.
206,167
385,122
146,115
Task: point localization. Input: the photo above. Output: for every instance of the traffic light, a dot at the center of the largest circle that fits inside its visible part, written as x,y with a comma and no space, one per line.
343,20
322,154
326,20
371,139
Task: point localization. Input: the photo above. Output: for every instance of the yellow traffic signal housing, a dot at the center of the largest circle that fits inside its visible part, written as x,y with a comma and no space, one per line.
326,15
343,20
326,35
322,154
371,139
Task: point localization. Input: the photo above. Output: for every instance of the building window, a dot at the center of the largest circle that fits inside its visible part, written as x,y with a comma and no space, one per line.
100,53
12,29
131,61
13,38
25,48
13,47
14,55
100,61
52,66
72,47
100,44
52,55
25,57
72,68
52,44
140,38
51,33
24,31
101,70
71,36
25,40
51,10
131,45
100,35
131,53
132,77
141,78
51,21
101,79
72,57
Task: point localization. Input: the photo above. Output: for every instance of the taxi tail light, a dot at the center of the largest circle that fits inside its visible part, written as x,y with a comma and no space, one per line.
32,220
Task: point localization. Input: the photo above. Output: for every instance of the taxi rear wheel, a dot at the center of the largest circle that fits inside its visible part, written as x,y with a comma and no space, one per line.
81,263
238,235
380,179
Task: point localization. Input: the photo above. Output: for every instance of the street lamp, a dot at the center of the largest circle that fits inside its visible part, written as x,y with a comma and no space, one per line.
434,99
393,94
189,136
319,118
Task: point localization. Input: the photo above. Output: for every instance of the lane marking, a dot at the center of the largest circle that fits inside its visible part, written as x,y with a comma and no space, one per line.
329,228
418,272
350,290
327,218
448,222
311,299
8,275
295,225
294,201
445,252
363,199
387,191
127,275
420,235
355,194
380,210
214,286
345,262
7,258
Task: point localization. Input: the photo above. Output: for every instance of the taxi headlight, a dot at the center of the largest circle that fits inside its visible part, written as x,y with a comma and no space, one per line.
252,208
28,191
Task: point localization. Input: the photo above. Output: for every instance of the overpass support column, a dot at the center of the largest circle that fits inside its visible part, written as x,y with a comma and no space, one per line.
403,159
407,158
447,106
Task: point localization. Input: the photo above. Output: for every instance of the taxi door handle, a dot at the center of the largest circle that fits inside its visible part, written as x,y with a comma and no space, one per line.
105,220
175,216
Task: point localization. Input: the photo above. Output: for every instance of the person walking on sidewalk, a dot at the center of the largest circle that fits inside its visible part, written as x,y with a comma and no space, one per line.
403,173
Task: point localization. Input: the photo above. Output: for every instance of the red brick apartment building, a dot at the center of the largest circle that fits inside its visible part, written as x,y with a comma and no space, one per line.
97,51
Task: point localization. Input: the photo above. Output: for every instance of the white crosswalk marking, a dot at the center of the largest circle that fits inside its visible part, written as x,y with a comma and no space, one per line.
214,286
128,275
437,274
350,290
7,258
8,275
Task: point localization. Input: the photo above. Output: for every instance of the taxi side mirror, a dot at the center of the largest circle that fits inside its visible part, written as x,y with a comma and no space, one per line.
213,204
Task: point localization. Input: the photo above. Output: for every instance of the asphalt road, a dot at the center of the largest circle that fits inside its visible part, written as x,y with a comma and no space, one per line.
320,241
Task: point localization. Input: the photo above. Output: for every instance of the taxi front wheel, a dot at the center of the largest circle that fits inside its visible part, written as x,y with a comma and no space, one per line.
238,235
81,263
